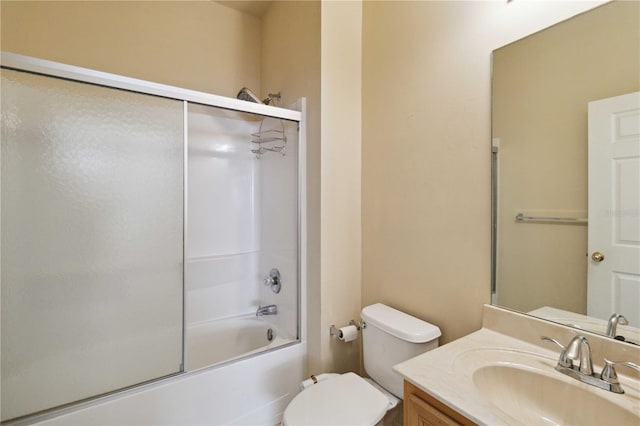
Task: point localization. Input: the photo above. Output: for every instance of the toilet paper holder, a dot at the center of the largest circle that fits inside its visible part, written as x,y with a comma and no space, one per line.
333,331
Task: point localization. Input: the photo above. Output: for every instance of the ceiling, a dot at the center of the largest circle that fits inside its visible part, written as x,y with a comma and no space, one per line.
252,7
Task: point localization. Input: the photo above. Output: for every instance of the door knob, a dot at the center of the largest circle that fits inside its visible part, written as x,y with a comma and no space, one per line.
597,256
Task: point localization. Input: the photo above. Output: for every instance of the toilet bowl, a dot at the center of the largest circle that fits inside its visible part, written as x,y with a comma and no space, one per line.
388,338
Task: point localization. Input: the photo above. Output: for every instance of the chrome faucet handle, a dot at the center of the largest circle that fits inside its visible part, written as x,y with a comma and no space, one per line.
613,322
563,361
609,373
273,280
549,339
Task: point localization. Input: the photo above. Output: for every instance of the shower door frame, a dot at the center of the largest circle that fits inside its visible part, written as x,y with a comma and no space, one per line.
16,62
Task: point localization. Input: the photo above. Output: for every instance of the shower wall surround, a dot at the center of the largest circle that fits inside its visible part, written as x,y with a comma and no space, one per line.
100,188
242,221
223,240
279,231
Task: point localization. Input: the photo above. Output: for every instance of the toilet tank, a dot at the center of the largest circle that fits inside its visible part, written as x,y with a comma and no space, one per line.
390,337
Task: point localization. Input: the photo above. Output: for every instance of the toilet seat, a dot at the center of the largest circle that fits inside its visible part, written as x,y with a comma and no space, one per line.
344,400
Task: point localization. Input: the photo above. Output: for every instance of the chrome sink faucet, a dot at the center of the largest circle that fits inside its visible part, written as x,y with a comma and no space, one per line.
266,310
612,324
578,350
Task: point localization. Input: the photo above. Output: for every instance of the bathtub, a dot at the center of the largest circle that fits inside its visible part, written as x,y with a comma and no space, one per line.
254,390
213,342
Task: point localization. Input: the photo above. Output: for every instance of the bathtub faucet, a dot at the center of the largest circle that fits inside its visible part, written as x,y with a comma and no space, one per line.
267,310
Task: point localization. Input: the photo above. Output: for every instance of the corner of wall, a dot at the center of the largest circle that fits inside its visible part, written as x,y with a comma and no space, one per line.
341,124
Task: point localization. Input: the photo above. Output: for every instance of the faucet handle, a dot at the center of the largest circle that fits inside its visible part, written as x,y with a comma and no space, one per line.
564,361
273,280
609,373
549,339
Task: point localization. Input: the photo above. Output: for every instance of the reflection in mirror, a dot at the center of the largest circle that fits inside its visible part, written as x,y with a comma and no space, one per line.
544,94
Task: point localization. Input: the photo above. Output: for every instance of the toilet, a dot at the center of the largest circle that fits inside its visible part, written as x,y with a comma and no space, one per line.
388,338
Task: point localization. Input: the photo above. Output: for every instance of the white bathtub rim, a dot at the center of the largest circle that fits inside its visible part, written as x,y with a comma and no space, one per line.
243,357
247,315
200,330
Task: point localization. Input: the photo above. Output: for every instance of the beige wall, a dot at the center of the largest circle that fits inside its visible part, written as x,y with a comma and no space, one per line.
291,64
426,151
197,45
549,78
341,181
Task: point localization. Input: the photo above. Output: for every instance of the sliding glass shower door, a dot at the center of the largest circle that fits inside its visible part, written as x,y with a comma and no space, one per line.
91,240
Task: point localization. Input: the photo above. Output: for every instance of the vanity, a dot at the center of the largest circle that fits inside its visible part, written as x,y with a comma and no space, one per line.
505,374
420,408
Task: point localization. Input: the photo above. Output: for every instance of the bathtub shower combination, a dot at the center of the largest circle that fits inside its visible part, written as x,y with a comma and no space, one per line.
150,237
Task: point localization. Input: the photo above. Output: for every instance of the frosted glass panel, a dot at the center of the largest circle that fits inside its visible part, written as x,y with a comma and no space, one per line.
92,240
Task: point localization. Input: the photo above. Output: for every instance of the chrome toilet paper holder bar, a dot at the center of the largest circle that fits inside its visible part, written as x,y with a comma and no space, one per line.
333,331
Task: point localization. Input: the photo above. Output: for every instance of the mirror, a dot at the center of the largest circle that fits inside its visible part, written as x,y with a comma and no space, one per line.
545,210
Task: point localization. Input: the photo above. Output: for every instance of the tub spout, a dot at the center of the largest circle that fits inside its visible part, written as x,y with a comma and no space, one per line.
267,310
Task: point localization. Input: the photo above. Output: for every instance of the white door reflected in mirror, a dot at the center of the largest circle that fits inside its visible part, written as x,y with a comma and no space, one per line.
613,282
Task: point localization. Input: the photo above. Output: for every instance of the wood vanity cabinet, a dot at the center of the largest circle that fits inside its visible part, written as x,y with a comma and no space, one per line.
421,409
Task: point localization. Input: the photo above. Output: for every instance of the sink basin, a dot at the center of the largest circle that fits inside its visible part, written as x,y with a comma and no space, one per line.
534,398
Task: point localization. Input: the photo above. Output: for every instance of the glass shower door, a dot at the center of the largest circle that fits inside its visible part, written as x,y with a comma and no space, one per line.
91,239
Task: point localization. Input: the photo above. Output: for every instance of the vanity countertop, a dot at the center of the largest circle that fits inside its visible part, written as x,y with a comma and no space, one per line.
447,373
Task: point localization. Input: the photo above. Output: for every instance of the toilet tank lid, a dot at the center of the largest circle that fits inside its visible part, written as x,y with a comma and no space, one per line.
399,324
